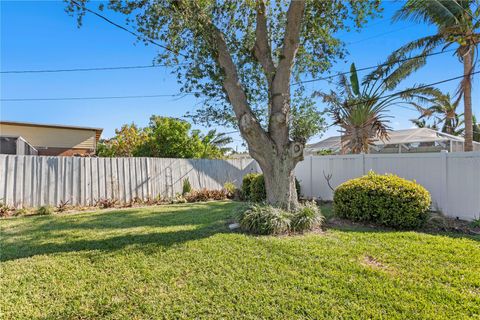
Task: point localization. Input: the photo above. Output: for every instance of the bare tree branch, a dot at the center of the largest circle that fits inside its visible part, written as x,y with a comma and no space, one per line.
281,82
262,48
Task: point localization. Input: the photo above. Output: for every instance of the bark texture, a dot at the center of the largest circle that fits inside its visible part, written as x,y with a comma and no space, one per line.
276,154
467,100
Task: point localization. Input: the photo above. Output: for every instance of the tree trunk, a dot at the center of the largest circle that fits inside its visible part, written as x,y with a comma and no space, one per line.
280,182
467,100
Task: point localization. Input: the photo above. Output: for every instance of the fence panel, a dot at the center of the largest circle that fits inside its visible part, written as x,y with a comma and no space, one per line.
32,181
453,179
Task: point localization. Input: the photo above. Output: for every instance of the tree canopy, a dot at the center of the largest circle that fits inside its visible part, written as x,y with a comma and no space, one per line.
164,137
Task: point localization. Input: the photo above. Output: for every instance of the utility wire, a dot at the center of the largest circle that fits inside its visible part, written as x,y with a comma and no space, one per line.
176,95
373,67
93,98
410,90
88,69
83,7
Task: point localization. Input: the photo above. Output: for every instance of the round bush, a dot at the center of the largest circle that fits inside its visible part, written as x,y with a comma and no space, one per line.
384,199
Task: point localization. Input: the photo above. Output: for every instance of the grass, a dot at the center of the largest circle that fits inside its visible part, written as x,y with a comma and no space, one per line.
181,261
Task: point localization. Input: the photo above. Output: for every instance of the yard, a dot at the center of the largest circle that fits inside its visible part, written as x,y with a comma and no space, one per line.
182,261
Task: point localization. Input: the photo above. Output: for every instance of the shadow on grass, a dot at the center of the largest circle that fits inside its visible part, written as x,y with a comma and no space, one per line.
199,221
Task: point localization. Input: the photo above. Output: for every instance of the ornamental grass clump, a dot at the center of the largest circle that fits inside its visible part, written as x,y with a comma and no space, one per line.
267,220
384,199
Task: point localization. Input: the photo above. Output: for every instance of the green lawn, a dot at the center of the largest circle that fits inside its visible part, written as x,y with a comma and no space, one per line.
181,261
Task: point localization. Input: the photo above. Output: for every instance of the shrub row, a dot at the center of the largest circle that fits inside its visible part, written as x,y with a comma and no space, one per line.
265,220
384,199
253,187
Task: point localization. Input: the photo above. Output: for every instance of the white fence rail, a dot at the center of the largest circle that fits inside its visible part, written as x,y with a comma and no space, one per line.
31,181
453,179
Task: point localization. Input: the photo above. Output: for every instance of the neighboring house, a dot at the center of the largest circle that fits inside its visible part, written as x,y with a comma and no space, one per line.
400,141
47,139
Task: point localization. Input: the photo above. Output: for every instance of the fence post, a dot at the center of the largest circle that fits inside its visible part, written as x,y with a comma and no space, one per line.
311,177
444,202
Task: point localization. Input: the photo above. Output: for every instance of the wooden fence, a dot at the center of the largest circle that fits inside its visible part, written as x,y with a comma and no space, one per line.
453,179
31,181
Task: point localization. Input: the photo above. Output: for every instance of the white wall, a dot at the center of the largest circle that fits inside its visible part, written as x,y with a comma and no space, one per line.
32,181
453,179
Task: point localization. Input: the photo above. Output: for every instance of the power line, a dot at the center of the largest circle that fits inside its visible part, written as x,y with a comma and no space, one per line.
176,95
93,98
373,67
126,30
411,89
87,69
379,35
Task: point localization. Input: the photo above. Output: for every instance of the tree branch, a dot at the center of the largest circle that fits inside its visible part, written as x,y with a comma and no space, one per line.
262,48
278,126
249,126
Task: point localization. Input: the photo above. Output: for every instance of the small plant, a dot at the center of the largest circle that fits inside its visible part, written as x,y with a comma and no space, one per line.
6,210
246,185
106,203
264,220
186,187
20,212
231,190
475,223
307,217
44,211
385,199
62,206
206,195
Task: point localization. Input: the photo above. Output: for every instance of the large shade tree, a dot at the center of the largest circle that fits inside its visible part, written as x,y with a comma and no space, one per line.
241,57
458,26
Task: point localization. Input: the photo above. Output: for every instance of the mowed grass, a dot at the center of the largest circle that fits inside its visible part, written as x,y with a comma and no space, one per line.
182,262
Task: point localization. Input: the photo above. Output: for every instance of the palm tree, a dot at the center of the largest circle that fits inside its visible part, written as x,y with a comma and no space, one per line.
476,130
422,123
361,109
213,144
444,111
458,23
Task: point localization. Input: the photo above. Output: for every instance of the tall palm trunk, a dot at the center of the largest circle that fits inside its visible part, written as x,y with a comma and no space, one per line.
467,100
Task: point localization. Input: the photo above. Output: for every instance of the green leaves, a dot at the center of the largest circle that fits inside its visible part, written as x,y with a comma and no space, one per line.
165,137
354,80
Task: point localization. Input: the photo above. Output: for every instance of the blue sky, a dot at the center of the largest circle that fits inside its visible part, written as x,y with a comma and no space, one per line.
40,35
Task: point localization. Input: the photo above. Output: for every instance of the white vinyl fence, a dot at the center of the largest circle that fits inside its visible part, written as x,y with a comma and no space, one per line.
453,179
32,181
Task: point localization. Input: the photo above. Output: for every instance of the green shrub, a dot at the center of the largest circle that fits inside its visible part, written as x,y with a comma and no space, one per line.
385,199
44,210
253,187
246,183
186,187
20,212
258,193
307,217
231,190
206,195
263,219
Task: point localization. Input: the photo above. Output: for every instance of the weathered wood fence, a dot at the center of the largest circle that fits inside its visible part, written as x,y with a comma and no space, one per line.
453,179
31,181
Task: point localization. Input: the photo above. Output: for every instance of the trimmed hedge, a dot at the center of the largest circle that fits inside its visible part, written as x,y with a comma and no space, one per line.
253,187
384,199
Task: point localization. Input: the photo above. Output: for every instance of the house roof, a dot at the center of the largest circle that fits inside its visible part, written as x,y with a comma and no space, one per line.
414,135
58,126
